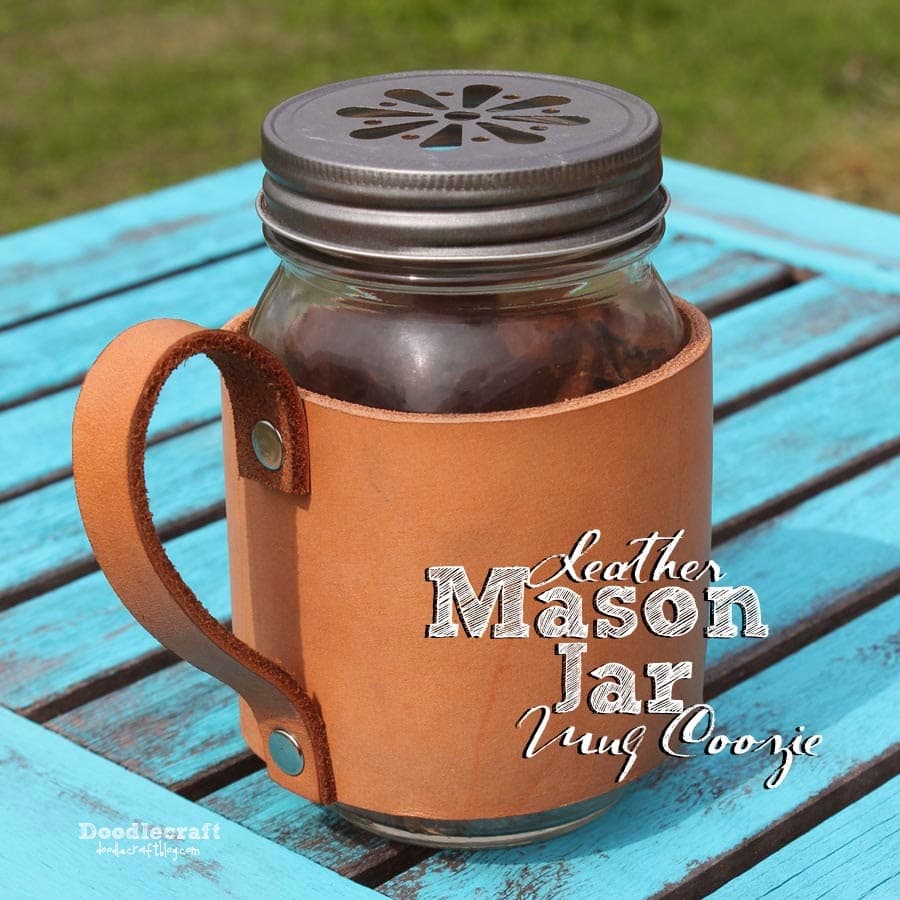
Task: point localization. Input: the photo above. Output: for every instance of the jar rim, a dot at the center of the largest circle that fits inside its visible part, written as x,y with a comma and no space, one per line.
509,274
627,228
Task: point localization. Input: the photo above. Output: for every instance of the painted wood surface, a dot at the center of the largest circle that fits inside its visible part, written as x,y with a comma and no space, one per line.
54,352
794,436
194,251
42,532
177,725
814,232
169,727
41,429
838,542
688,814
74,259
784,334
48,786
854,853
317,832
44,654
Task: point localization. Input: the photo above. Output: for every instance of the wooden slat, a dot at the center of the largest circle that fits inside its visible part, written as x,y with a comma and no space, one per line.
318,833
56,351
37,435
855,852
841,542
169,727
42,531
49,786
174,726
684,819
799,228
158,714
723,279
792,438
71,260
80,632
771,342
731,280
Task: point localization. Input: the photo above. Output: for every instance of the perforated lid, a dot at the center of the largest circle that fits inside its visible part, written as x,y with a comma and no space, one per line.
462,165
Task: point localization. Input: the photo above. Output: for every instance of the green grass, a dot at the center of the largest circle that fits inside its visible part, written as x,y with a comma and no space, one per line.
104,99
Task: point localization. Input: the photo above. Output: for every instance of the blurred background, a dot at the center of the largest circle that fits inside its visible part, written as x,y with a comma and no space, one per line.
104,99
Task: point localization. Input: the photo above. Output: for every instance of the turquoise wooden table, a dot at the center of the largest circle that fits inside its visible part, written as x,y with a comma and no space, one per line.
101,728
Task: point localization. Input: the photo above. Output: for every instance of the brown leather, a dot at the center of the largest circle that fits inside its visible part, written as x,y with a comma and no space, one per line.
108,447
331,586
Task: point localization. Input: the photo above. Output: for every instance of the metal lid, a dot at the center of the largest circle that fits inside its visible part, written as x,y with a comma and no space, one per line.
462,165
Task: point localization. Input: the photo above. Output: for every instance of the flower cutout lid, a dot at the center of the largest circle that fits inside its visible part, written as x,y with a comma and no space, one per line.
462,166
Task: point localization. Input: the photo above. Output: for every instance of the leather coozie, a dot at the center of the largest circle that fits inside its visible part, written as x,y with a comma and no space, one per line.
330,558
332,585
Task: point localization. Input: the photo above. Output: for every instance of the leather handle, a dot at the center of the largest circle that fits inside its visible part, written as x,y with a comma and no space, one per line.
109,439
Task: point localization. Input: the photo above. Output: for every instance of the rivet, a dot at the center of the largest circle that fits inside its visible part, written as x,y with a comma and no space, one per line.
267,445
286,752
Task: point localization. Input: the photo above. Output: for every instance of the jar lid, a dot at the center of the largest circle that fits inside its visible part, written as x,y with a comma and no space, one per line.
462,165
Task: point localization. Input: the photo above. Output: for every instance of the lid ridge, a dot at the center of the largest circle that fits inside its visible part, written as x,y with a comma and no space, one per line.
480,161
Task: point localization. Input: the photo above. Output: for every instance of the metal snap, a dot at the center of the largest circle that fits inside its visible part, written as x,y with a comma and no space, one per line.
286,752
267,445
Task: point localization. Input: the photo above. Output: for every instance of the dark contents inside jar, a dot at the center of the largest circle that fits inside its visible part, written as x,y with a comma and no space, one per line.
420,359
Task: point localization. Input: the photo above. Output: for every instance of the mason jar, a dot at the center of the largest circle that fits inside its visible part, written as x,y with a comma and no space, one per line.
463,242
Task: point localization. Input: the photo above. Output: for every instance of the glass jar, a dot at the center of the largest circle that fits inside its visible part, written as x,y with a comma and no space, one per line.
465,242
470,339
